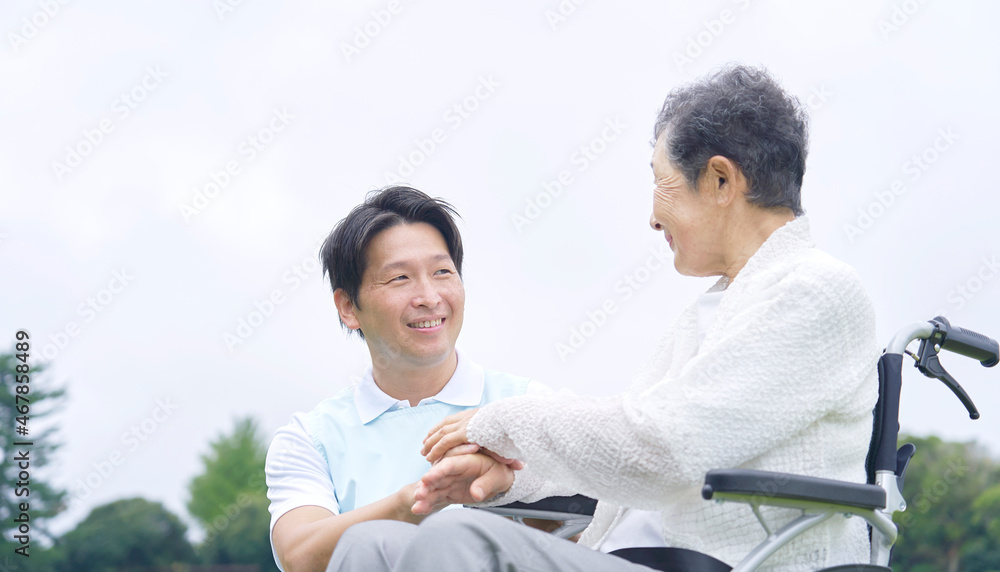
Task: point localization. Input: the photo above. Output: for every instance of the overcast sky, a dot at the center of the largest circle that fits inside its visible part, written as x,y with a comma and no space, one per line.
167,171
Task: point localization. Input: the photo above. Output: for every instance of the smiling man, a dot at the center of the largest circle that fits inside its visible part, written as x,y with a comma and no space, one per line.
395,265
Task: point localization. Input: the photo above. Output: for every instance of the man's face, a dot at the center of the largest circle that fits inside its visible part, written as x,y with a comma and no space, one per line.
412,300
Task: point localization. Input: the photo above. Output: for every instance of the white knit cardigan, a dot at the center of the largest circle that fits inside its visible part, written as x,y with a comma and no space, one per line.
785,380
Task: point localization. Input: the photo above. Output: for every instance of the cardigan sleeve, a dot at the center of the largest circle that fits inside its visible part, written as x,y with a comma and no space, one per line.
798,351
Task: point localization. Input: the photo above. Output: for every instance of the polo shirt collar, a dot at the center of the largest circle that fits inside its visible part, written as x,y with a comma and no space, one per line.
464,389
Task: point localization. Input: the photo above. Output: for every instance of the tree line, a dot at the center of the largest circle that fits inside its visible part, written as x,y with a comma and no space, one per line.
228,500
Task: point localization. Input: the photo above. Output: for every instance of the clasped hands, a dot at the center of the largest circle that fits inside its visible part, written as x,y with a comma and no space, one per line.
462,472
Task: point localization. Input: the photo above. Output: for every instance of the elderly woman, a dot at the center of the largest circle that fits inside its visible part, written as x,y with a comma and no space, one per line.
773,368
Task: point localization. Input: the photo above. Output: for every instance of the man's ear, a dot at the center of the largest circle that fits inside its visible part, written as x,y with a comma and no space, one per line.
724,179
346,309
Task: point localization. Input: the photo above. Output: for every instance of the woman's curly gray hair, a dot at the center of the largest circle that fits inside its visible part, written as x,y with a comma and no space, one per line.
741,113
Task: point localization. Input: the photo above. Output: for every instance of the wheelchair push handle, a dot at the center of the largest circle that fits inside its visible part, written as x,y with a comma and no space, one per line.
943,336
968,343
936,335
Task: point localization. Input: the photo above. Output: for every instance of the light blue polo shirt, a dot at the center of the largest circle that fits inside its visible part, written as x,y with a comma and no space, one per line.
362,445
372,454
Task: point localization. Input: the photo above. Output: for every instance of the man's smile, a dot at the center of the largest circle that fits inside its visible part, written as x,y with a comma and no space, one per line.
425,324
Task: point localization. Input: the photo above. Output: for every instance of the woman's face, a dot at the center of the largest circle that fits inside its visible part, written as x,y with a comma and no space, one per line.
690,220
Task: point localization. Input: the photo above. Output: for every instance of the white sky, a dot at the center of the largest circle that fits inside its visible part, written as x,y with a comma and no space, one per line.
879,97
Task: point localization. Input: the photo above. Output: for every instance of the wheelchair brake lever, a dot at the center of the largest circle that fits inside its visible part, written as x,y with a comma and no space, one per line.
929,365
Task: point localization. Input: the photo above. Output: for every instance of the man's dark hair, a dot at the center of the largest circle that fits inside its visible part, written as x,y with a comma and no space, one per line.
343,252
740,113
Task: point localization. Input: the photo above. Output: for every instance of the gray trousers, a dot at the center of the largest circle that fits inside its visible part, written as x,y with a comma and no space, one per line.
465,541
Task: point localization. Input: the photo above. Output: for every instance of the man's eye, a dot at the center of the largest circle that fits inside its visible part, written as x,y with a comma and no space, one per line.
444,270
400,277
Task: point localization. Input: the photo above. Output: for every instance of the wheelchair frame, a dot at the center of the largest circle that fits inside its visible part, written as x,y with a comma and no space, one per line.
821,499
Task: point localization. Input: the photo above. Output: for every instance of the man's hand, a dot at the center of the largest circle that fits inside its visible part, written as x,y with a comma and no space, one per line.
448,433
407,501
461,479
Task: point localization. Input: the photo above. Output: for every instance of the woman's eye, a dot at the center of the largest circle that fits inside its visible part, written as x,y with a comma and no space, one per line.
444,270
400,277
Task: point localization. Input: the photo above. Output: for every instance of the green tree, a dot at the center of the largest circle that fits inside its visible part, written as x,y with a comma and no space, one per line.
243,539
952,501
22,410
125,535
229,499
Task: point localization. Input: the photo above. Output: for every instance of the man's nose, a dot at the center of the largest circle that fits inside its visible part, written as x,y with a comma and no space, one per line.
426,294
655,225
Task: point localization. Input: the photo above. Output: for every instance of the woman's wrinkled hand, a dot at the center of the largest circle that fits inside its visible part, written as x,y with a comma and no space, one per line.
449,433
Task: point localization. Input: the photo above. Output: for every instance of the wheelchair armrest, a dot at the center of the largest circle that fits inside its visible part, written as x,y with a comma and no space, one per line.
575,512
575,505
767,487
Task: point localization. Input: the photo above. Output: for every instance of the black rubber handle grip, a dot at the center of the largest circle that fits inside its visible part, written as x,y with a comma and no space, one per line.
972,344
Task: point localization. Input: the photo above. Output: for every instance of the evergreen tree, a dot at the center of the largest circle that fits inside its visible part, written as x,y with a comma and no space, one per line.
229,499
25,402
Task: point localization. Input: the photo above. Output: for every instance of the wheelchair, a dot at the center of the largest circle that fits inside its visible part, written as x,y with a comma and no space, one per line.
818,499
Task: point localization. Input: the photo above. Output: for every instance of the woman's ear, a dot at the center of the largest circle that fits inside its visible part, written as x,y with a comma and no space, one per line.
346,309
724,179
